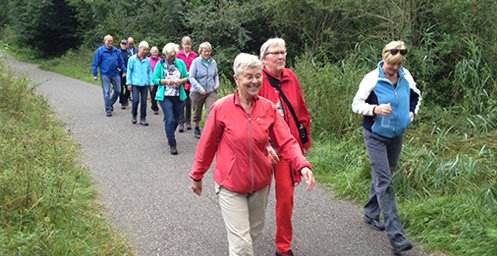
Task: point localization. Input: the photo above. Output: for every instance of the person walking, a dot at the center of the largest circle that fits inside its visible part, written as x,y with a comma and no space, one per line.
154,59
132,50
108,59
170,75
187,55
205,82
138,81
389,100
124,96
281,86
237,131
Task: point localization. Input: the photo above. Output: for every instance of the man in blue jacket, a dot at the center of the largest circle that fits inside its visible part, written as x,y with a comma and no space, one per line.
108,59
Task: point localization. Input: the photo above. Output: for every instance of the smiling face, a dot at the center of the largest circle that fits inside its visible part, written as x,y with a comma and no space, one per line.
275,59
187,47
249,82
391,68
142,51
108,41
206,53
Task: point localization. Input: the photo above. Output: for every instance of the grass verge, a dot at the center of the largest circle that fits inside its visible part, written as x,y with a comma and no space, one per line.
48,205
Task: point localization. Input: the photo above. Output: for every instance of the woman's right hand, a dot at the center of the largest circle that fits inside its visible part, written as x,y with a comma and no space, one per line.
271,153
383,110
202,91
197,187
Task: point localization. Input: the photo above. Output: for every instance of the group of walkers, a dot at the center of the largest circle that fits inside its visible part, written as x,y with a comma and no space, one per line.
262,129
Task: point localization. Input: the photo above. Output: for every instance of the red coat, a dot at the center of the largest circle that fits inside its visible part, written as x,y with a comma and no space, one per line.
290,85
240,140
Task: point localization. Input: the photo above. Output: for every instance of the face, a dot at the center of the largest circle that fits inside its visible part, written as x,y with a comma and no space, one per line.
131,43
142,51
124,46
275,59
249,82
155,53
108,42
170,57
390,68
206,53
187,47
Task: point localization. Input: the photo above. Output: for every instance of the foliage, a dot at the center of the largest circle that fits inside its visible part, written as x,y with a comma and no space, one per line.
47,200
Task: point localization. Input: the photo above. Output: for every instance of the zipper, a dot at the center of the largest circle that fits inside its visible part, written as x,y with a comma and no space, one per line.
251,166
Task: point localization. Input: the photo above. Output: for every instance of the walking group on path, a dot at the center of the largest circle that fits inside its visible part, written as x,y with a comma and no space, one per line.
261,130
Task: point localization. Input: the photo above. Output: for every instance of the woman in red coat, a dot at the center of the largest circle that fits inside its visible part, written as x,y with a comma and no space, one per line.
277,77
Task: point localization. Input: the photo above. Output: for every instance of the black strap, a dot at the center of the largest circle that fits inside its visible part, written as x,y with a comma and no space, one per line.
276,84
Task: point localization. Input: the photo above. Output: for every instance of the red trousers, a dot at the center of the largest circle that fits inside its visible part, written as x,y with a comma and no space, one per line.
284,206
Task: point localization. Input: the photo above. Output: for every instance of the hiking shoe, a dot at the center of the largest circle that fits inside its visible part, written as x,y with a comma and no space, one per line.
173,150
123,106
133,120
197,132
109,114
375,223
188,126
400,244
144,122
181,127
289,253
156,112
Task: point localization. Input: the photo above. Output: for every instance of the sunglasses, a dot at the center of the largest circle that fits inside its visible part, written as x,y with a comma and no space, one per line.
395,51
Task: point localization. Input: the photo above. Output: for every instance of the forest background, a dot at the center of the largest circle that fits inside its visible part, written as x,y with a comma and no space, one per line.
447,179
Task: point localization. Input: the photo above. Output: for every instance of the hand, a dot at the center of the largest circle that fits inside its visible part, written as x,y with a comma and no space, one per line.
383,109
202,91
412,116
197,187
216,87
308,177
271,153
95,78
178,82
130,88
124,75
306,151
151,87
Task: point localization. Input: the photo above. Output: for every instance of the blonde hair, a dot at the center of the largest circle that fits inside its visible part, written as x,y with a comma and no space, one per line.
171,49
204,45
243,61
143,44
397,58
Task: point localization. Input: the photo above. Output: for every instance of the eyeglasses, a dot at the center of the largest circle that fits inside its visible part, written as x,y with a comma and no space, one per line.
277,53
395,51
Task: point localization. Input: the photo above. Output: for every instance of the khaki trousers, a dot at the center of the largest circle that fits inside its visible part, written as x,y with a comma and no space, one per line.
243,216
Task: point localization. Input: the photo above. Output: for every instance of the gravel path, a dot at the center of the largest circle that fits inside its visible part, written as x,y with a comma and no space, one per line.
147,191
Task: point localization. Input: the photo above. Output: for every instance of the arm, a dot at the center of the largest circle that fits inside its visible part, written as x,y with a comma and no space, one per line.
359,105
120,61
304,116
96,63
158,73
216,78
193,70
130,70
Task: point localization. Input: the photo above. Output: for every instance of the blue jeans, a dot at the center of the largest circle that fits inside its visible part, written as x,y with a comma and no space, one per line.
140,94
108,99
171,106
384,155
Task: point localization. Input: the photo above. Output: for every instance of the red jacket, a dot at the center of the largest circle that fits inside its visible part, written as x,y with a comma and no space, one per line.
240,139
290,85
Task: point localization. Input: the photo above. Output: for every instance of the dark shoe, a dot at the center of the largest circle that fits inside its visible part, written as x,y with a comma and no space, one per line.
144,122
133,120
375,223
400,244
181,127
197,132
289,253
173,150
188,126
156,112
123,106
109,114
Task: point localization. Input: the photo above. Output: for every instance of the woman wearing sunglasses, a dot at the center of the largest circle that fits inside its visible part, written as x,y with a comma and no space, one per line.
388,99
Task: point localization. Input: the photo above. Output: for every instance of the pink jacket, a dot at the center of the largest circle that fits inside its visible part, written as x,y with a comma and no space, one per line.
188,61
240,139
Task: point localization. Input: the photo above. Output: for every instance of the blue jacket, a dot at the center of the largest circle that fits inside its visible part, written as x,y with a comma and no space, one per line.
139,71
376,89
108,61
202,76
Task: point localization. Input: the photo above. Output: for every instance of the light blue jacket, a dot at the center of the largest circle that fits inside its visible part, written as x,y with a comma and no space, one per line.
202,76
139,71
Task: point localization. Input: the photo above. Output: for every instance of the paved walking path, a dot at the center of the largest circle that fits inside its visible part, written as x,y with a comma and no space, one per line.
147,191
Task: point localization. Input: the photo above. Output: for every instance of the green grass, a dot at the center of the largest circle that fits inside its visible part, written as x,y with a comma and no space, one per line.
48,204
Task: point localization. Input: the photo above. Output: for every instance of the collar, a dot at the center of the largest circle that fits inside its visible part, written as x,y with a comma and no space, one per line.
236,98
284,75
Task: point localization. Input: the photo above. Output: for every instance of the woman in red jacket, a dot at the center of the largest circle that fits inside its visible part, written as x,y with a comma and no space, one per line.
238,131
277,81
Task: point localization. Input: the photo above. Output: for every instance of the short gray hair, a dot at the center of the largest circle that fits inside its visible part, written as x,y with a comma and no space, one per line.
171,49
271,42
204,45
154,48
143,44
107,36
186,39
245,60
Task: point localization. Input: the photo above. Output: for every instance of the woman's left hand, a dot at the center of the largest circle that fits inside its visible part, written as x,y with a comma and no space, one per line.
412,116
197,187
308,177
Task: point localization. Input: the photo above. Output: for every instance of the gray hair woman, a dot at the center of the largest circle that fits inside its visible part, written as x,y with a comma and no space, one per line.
204,78
388,99
170,75
243,170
